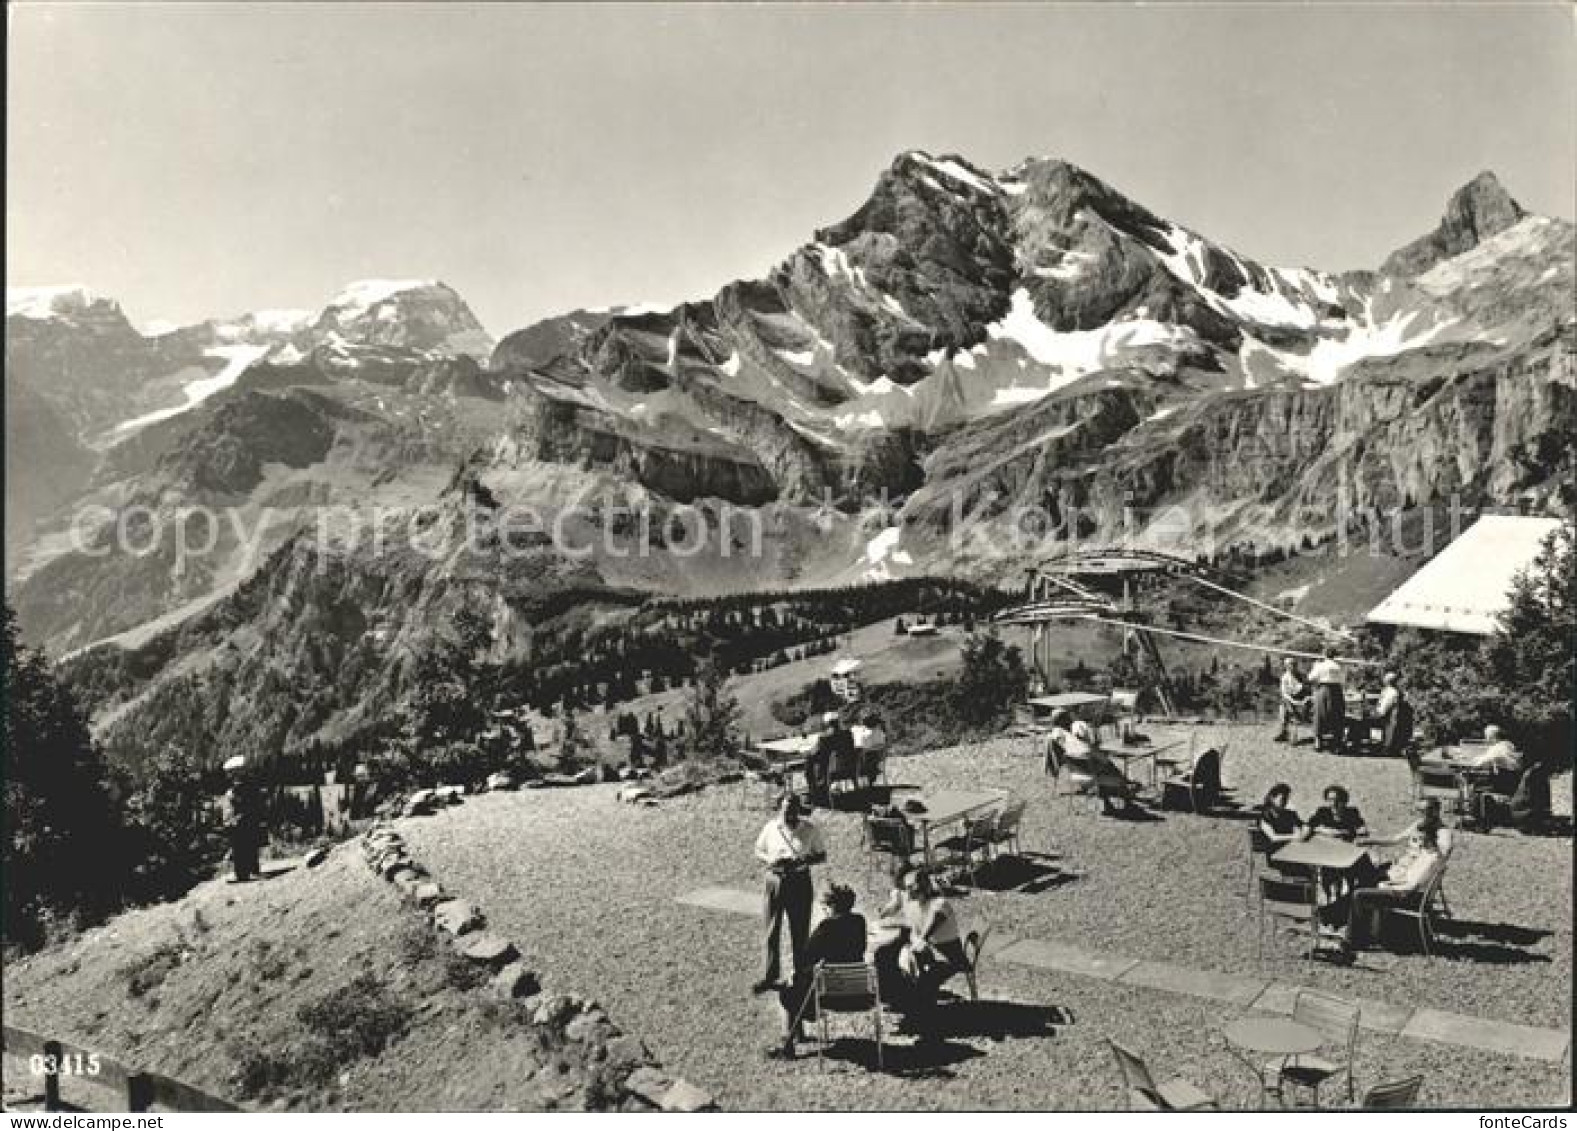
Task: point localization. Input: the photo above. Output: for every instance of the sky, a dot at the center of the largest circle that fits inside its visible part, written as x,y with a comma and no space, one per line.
200,160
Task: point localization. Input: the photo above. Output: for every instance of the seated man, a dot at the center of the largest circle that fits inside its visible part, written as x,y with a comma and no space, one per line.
838,937
834,750
871,742
1401,881
1080,744
1495,770
927,950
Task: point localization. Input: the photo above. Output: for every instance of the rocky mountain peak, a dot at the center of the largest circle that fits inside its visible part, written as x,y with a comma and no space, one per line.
421,314
1479,209
72,305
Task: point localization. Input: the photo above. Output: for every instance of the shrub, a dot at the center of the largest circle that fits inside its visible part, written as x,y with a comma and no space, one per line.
992,682
358,1020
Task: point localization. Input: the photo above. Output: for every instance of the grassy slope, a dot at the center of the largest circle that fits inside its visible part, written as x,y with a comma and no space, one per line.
222,972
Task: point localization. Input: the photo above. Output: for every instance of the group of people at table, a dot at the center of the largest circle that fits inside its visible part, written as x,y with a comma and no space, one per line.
918,944
1355,897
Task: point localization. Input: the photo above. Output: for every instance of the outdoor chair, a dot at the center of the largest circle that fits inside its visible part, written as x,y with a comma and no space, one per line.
1289,901
891,837
844,987
1444,785
1199,788
1414,755
960,851
974,943
1068,781
1337,1021
1122,710
1509,799
1396,1095
1414,905
1006,830
1259,846
1144,1094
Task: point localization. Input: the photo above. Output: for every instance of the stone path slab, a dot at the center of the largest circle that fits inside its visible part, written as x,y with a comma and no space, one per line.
734,900
1482,1033
1197,983
1067,959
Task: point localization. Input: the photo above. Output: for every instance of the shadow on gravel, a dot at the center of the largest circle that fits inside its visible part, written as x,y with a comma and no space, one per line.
999,1020
1030,874
1497,943
931,1053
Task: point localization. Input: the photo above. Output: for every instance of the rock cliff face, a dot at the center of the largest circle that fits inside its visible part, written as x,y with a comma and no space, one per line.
1479,209
1028,349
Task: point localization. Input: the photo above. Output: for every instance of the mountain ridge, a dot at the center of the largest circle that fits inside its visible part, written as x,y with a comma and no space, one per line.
1032,335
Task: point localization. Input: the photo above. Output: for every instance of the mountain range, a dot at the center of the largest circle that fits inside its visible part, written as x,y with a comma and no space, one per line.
966,343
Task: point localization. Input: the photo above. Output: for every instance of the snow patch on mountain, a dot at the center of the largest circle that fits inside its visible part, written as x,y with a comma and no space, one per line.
796,357
1074,353
236,359
1332,354
950,168
361,296
1286,305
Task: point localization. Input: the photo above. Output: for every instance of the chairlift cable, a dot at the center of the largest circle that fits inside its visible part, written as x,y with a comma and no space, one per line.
1326,629
1227,643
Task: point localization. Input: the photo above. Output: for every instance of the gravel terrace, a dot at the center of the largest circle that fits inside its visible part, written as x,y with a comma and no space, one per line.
587,887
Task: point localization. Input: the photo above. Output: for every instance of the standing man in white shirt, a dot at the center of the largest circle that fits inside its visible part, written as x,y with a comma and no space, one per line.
1294,698
1330,704
789,846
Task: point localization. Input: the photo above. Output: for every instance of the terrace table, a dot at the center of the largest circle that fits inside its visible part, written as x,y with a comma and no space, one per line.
789,754
945,806
1129,756
1279,1037
1322,853
1071,701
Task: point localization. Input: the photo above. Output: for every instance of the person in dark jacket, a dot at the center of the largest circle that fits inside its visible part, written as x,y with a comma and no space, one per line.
834,752
246,821
839,937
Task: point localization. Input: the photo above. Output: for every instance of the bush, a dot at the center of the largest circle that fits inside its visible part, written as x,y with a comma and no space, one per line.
993,680
358,1020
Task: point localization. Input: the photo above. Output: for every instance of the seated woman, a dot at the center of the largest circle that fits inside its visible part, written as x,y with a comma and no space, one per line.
839,937
1279,823
1079,743
1337,817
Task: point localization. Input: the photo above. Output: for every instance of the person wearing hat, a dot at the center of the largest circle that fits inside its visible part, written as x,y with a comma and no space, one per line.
789,846
246,821
838,937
